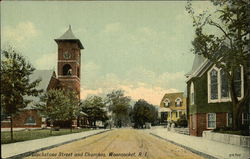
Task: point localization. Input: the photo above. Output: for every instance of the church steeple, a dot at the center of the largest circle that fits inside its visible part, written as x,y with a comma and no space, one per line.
69,61
68,35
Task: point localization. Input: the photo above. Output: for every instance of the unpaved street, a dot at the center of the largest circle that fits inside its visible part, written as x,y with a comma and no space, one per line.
118,144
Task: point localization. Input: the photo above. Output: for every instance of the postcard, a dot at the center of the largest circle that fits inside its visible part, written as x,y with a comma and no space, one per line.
125,79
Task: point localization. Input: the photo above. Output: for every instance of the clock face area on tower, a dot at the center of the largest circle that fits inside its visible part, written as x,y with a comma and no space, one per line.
66,55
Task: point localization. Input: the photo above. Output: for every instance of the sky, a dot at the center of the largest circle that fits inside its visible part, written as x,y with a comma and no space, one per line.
140,47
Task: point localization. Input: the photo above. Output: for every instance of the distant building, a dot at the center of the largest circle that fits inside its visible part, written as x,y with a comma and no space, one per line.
172,106
208,100
68,69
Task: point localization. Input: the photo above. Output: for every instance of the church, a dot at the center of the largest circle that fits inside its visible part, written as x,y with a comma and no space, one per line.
67,77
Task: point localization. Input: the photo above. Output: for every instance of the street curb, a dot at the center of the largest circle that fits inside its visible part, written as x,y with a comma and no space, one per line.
187,148
26,154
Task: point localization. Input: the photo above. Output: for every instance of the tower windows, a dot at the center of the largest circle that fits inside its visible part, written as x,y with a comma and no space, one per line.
67,70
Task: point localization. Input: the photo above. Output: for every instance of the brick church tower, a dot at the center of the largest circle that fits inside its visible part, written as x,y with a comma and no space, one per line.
69,61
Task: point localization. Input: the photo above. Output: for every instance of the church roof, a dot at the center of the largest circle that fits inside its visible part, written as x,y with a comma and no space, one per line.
200,65
68,35
45,76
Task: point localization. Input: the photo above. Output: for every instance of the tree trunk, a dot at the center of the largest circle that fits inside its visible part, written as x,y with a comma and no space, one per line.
235,102
51,127
236,115
71,127
11,128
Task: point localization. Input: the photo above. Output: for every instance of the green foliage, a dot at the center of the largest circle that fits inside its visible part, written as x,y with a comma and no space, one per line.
59,104
94,107
15,83
144,112
119,104
182,121
73,105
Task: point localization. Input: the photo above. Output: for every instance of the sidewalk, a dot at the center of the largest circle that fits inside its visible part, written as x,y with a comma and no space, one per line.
20,149
206,148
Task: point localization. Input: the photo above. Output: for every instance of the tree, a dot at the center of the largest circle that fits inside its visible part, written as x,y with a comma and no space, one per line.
228,49
144,112
94,107
59,105
72,110
119,105
15,83
182,121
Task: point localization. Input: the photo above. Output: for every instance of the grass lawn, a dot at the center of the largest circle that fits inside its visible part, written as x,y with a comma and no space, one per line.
35,134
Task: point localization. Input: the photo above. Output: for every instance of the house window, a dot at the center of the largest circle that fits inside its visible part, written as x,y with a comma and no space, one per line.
178,114
214,84
211,120
245,118
166,102
192,93
224,84
229,119
237,81
30,121
178,102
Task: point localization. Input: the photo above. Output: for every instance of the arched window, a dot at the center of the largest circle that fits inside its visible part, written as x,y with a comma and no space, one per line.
166,102
224,84
218,84
213,84
178,102
67,70
30,121
191,97
237,81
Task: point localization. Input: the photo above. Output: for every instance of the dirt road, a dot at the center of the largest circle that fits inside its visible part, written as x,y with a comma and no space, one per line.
118,144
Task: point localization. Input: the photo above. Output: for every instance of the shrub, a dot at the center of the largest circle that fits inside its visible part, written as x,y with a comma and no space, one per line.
182,121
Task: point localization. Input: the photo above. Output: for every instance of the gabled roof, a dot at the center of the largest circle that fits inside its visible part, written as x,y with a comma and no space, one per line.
68,35
45,76
171,97
200,65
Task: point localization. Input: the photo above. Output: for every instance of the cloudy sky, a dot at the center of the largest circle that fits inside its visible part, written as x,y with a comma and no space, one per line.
140,47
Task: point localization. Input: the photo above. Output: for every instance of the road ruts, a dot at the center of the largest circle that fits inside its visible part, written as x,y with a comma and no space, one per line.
138,143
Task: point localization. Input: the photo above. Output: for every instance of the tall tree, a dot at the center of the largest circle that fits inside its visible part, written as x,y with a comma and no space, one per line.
15,83
58,105
144,112
119,105
228,49
72,110
94,107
